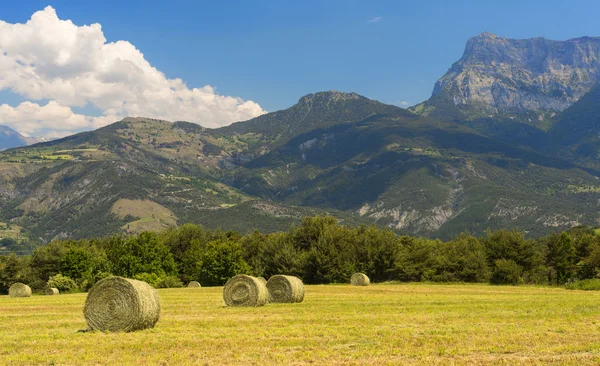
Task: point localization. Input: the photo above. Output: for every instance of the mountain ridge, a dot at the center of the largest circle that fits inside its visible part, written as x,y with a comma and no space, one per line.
435,170
302,117
10,138
536,77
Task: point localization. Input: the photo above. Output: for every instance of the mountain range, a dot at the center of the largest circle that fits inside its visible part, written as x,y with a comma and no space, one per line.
510,138
10,138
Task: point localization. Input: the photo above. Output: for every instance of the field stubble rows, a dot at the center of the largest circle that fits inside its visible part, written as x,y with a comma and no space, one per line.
336,324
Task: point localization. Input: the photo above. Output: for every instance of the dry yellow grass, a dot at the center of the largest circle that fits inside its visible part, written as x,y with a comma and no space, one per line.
151,215
10,171
10,231
379,324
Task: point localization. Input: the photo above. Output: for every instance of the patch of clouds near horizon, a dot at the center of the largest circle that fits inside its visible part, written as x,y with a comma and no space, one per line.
404,103
67,66
52,119
375,20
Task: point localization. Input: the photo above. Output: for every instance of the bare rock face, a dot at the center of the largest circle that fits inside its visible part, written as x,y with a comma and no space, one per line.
501,75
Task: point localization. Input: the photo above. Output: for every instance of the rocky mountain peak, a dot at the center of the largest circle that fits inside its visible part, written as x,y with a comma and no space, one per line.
499,75
485,36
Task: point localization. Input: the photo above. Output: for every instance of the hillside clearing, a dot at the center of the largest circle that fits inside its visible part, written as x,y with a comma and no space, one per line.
151,215
9,231
336,324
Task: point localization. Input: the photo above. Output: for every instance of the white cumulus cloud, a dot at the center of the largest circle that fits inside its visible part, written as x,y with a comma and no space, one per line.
375,20
64,65
53,118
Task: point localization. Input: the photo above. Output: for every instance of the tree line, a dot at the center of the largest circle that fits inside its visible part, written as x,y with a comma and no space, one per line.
319,250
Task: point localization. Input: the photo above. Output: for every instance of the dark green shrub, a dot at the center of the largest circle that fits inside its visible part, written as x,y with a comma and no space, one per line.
278,255
150,278
11,269
592,284
222,260
62,283
169,282
143,253
561,257
507,272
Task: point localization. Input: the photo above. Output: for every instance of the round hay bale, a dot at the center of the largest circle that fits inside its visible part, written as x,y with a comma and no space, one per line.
50,291
285,289
244,290
360,279
194,284
117,304
263,280
19,290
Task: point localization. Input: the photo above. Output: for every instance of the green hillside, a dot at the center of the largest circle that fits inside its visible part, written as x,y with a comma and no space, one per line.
343,154
423,176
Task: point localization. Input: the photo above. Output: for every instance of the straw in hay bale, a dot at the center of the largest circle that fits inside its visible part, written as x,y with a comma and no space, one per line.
117,304
19,290
360,279
285,289
244,290
263,280
194,284
52,291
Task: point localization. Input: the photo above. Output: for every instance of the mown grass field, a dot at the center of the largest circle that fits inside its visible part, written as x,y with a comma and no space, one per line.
336,324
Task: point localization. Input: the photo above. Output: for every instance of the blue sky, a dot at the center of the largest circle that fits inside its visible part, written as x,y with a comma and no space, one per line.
273,52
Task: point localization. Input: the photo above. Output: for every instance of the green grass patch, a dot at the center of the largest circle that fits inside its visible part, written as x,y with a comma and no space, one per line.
10,231
592,284
74,150
584,189
56,157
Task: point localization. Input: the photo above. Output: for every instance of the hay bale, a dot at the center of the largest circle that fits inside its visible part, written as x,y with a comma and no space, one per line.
360,279
263,280
19,290
244,290
194,284
117,304
52,291
285,289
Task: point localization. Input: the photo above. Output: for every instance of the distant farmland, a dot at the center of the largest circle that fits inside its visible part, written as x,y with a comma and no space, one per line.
336,324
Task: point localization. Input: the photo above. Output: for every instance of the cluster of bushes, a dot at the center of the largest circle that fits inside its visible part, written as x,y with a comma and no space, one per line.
591,284
319,251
